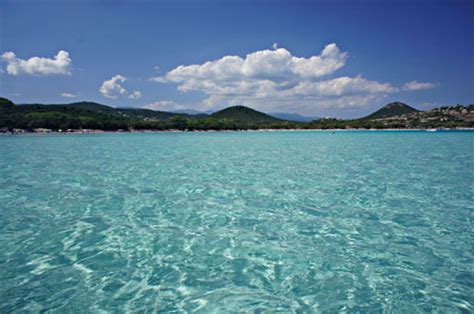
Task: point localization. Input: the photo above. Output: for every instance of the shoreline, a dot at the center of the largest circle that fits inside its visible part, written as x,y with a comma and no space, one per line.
89,131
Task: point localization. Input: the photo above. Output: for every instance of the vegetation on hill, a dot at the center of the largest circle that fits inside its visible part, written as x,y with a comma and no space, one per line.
6,103
392,109
89,115
133,113
293,117
240,117
56,117
244,115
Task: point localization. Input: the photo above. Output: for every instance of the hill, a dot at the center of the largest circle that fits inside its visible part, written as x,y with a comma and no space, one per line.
92,106
244,115
95,108
134,113
192,112
141,113
292,117
6,103
390,110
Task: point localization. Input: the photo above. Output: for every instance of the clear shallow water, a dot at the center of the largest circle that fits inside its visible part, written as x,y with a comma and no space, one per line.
249,221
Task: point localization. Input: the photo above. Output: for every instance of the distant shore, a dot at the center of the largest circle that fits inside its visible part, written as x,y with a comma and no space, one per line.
90,131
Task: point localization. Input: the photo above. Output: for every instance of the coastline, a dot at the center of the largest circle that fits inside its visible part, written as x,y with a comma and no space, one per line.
91,131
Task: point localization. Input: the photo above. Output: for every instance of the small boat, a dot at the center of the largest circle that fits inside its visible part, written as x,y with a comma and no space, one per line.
431,130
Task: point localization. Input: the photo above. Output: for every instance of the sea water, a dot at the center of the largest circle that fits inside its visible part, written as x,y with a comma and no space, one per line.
237,221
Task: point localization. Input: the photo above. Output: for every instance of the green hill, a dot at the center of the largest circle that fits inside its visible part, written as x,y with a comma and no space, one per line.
244,115
140,113
92,106
95,108
390,110
6,103
134,113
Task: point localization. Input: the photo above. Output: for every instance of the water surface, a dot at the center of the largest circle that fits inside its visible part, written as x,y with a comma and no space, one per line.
237,221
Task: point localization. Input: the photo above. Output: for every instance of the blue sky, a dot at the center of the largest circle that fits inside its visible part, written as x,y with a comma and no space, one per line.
323,58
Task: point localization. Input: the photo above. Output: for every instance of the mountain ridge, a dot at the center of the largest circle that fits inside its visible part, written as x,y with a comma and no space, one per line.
91,115
140,113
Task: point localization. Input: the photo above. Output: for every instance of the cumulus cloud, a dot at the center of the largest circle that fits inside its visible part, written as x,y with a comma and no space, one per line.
68,95
165,105
415,85
272,65
113,88
38,66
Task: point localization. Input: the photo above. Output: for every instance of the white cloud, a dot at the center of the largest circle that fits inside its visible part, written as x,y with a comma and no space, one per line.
341,86
38,66
135,95
113,88
415,85
165,105
68,95
273,65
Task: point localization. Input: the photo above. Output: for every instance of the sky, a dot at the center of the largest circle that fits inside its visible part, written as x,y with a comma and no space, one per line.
317,58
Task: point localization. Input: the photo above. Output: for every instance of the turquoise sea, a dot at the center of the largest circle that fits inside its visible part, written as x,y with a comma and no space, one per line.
302,221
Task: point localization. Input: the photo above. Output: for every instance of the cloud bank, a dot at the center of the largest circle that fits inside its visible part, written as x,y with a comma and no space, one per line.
271,80
38,66
113,88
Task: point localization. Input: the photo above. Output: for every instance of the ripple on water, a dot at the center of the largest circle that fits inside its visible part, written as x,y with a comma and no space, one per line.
250,221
